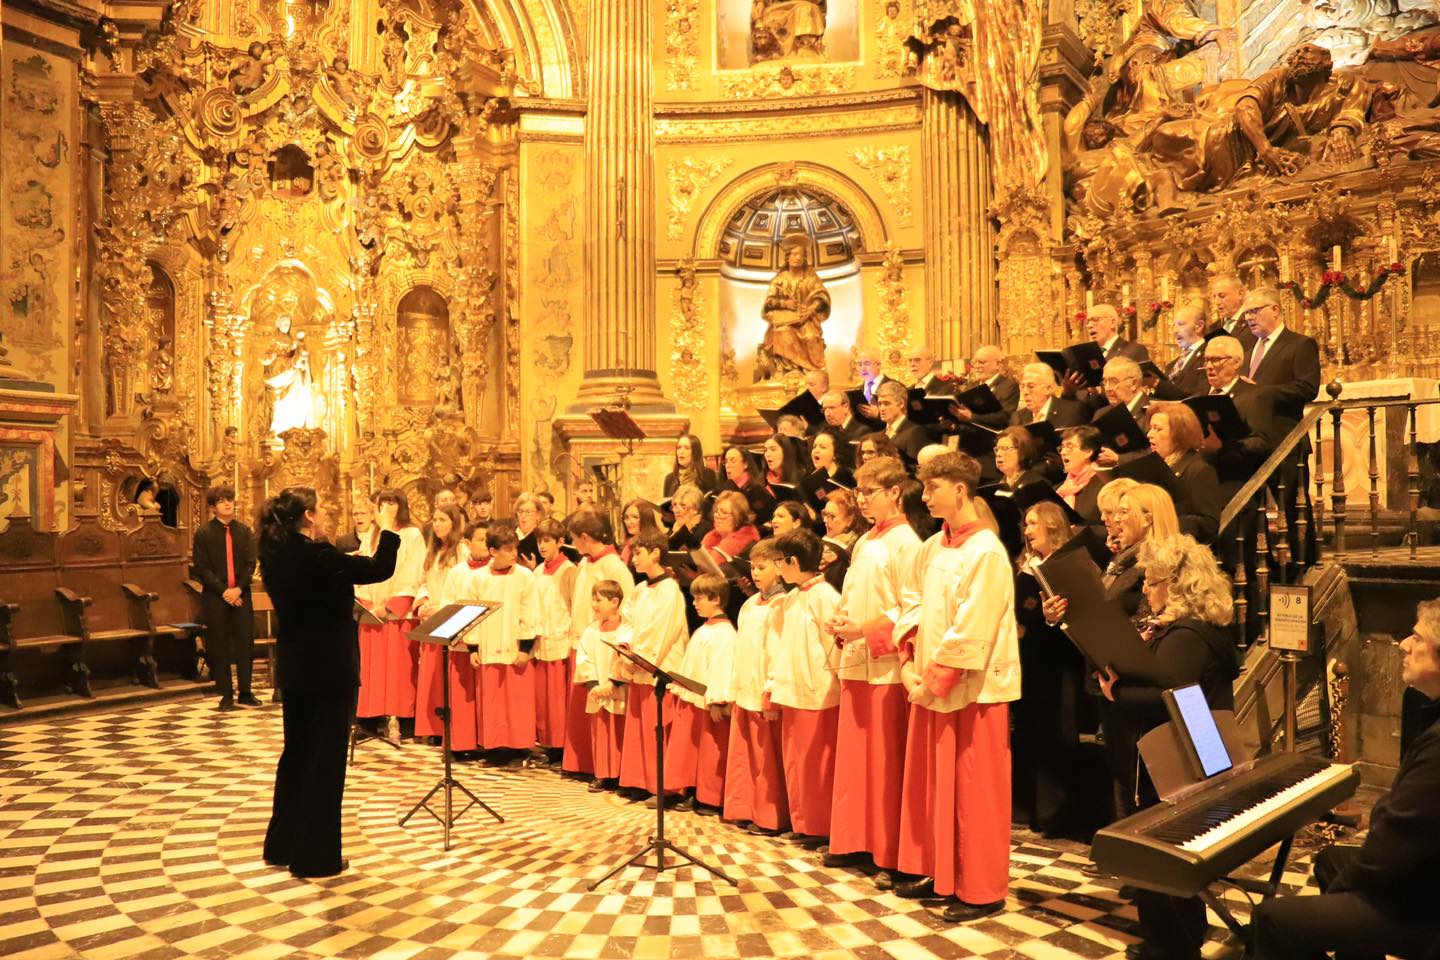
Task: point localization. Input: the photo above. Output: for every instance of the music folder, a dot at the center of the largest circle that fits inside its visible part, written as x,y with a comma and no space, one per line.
694,686
450,623
1218,415
1098,626
979,399
1120,431
802,405
732,569
1085,358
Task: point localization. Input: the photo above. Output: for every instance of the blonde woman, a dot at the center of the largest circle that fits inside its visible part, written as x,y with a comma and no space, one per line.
1191,642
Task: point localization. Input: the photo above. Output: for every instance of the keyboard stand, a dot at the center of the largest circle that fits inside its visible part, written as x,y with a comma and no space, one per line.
1265,889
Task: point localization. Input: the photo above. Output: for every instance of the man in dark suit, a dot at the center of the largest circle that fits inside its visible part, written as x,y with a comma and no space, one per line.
985,368
1185,376
1237,462
1039,401
1286,361
1122,388
925,373
867,359
1378,898
1227,293
1102,322
843,425
909,438
818,383
224,562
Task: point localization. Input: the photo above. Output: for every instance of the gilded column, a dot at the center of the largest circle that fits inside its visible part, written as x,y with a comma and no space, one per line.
959,235
620,198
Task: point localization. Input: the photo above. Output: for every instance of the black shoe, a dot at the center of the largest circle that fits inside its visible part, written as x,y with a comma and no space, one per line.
958,911
791,836
1128,892
305,875
917,889
760,831
226,704
248,700
277,864
684,803
841,859
884,880
597,786
705,810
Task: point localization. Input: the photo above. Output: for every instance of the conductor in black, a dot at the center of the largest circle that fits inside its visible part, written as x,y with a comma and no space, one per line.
312,585
224,563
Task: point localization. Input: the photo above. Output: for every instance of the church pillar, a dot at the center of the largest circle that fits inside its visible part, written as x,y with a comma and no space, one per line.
619,349
959,236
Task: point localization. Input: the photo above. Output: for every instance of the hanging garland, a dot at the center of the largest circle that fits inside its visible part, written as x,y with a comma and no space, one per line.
1157,307
1333,279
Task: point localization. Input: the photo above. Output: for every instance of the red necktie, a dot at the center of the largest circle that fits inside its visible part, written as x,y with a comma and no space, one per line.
229,558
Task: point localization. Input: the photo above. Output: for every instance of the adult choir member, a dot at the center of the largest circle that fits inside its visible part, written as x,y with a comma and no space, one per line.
1378,898
874,445
689,467
925,373
1040,400
1121,387
1175,434
224,563
817,485
782,465
908,437
1017,456
867,359
640,518
743,477
1102,322
1227,293
843,526
1079,448
1188,634
734,530
1281,359
987,368
687,504
312,585
843,425
1185,376
527,518
961,672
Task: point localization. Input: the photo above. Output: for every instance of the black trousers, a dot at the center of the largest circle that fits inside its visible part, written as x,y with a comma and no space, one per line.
304,830
1352,925
1046,740
230,641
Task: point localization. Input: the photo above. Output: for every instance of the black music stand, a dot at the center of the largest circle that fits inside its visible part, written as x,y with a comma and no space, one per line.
658,843
358,733
446,628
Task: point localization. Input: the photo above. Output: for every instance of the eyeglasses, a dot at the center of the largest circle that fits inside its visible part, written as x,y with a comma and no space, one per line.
865,493
1213,361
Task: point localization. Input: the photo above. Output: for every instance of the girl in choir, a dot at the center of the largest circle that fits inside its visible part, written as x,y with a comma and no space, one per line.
689,468
1177,437
912,504
1046,734
1190,637
590,534
825,457
387,689
962,671
554,588
1079,446
754,774
733,532
445,551
370,636
596,666
640,517
1016,456
874,445
655,611
700,727
790,515
505,642
802,683
781,466
741,477
870,739
687,504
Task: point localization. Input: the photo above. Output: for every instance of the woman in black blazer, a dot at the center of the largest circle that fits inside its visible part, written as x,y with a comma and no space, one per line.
1176,435
689,467
312,585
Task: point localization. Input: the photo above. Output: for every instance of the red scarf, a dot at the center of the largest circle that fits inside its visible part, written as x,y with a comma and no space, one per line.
554,563
957,536
880,529
477,564
1075,482
501,573
596,558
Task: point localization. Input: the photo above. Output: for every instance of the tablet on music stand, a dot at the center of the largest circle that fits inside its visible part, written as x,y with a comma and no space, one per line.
451,622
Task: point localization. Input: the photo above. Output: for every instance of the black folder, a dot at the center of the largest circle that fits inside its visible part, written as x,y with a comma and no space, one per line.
1218,415
1030,494
1120,431
1097,626
450,623
1150,468
1090,540
979,399
694,686
1085,358
363,615
839,549
803,405
1045,435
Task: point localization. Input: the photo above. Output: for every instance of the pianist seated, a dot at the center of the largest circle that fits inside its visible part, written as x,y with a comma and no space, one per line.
1190,598
1381,898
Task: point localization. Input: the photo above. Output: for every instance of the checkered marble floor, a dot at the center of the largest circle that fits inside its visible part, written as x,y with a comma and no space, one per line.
137,835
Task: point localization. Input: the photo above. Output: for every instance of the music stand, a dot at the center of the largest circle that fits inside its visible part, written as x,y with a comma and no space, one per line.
658,843
447,627
359,734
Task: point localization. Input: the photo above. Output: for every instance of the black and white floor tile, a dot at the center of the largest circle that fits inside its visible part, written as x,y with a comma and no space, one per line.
137,836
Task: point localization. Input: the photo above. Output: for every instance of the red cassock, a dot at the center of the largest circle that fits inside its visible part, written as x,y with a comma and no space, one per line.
710,764
754,774
807,744
552,696
507,720
637,756
955,816
464,704
429,690
607,731
387,681
869,765
579,756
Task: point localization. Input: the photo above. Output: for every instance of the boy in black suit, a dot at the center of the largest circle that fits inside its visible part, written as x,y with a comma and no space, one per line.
224,562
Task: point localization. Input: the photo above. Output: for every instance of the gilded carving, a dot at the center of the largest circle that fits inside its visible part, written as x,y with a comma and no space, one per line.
789,81
892,59
891,167
688,177
682,43
739,129
894,334
689,384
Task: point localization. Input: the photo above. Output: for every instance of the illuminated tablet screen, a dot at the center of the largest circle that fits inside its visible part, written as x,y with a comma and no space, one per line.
1200,727
459,620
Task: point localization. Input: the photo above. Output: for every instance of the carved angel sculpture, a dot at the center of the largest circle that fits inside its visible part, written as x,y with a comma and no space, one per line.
782,29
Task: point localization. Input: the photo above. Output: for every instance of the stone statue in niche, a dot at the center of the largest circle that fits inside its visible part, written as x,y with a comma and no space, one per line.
796,304
787,29
290,380
248,70
162,367
290,307
447,385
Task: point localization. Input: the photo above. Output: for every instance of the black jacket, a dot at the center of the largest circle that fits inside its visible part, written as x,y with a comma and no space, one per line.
209,556
312,585
1063,412
1397,862
910,439
708,482
1198,501
1188,651
1291,367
